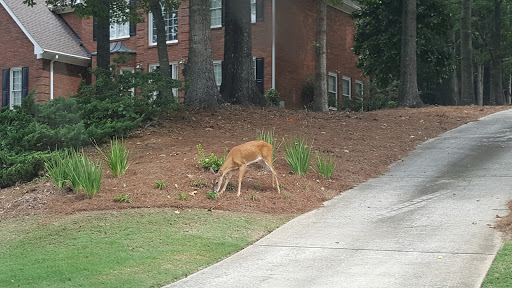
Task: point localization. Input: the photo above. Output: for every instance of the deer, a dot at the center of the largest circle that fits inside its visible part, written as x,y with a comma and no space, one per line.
239,158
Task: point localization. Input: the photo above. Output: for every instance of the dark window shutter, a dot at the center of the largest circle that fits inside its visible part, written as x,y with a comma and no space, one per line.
94,24
259,74
6,75
24,82
223,11
260,10
133,26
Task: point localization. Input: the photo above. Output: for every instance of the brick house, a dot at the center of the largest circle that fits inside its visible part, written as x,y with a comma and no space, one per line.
52,49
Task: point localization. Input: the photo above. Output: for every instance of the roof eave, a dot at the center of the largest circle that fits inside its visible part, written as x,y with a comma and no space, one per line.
348,6
65,58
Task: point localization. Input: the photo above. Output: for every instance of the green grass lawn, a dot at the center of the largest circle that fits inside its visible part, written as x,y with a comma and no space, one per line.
130,248
500,274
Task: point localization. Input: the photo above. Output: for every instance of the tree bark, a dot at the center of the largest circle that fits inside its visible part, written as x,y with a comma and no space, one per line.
320,100
480,85
408,90
496,73
202,90
454,81
164,95
238,79
466,50
103,35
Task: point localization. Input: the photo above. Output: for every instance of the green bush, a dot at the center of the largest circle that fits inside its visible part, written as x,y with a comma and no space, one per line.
17,167
297,155
272,97
308,92
211,161
379,98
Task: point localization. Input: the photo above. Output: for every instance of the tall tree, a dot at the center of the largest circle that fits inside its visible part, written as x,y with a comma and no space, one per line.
496,81
467,94
408,90
238,79
202,89
320,99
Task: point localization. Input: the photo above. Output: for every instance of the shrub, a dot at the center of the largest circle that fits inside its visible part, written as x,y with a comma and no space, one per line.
123,198
23,166
212,161
325,167
297,155
308,92
379,98
272,97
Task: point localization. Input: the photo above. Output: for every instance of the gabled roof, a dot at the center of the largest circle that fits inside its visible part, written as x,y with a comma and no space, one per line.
53,39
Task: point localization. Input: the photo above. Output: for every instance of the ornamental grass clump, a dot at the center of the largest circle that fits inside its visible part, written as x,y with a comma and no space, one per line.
117,158
297,155
268,136
325,166
84,175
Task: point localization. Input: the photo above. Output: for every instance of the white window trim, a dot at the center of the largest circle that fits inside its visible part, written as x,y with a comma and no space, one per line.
218,62
174,74
362,86
117,26
11,86
253,12
216,26
349,95
150,31
335,86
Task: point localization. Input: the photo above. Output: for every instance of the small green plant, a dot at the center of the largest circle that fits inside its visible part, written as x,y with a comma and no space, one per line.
160,184
230,186
272,97
252,197
209,162
281,186
325,166
297,155
211,195
123,198
256,186
57,168
199,184
182,197
83,174
117,158
287,197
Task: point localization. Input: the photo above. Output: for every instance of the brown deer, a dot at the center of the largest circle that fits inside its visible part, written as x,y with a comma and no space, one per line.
241,156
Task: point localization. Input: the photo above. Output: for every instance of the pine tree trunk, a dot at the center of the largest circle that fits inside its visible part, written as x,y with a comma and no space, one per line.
454,81
165,95
320,100
103,35
202,90
496,73
466,50
408,90
238,79
480,85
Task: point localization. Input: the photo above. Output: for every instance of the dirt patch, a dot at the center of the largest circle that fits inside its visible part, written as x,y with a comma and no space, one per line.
362,144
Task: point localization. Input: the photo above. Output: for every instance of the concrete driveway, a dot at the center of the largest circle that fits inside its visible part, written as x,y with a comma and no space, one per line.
425,223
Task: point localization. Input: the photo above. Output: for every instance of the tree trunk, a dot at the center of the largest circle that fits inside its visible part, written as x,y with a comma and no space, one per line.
103,35
202,90
165,95
496,72
480,85
454,81
408,90
238,79
466,51
320,100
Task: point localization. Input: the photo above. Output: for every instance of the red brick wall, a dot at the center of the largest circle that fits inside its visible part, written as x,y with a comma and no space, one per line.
296,25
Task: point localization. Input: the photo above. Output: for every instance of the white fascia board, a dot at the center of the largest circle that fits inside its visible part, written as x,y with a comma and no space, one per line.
348,6
65,58
37,48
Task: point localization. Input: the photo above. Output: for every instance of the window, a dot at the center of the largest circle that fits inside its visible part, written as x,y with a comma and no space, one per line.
359,88
216,13
346,87
257,64
217,72
171,27
174,75
332,89
124,70
15,87
253,11
119,30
